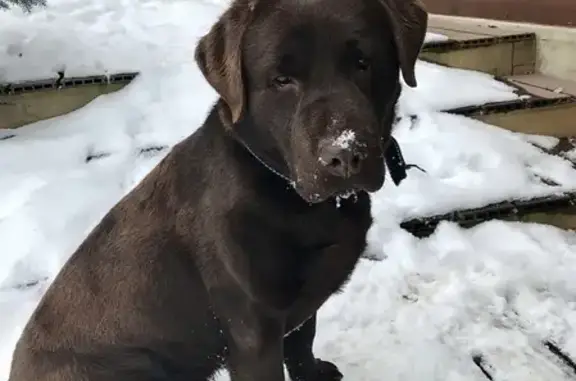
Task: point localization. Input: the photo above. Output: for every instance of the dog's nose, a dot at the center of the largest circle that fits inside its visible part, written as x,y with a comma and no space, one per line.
342,162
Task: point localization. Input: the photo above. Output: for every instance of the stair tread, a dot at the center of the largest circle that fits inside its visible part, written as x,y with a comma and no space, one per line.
457,35
544,85
468,30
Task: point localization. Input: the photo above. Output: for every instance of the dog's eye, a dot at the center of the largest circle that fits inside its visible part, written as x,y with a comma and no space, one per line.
283,80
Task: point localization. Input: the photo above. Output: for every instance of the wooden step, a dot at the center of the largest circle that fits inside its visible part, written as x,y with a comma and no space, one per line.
545,86
481,48
557,210
27,102
548,107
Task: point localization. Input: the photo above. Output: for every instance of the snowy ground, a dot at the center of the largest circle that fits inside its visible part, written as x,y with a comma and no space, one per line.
419,314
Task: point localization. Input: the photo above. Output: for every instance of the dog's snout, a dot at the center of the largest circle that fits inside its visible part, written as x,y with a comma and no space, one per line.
340,161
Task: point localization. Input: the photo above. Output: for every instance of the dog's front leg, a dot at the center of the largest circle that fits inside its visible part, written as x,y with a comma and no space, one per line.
254,336
255,349
300,361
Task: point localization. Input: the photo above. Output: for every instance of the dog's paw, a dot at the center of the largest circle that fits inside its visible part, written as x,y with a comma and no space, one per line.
315,370
326,371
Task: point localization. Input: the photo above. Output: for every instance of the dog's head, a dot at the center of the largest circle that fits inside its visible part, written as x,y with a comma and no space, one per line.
316,83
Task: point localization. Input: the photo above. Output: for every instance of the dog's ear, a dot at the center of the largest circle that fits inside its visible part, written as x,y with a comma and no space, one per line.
409,21
218,54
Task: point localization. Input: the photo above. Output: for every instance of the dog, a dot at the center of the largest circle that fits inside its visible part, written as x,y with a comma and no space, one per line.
222,255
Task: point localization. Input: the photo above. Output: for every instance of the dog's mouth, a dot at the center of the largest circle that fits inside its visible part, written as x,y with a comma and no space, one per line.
346,193
349,194
330,189
337,196
317,185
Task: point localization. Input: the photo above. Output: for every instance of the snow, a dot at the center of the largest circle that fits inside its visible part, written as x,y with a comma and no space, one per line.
435,37
101,37
420,313
468,164
344,140
452,295
467,88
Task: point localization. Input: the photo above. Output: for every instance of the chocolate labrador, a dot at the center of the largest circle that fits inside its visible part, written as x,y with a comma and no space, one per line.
222,255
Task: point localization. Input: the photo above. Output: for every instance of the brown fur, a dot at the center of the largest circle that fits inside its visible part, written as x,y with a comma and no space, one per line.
214,260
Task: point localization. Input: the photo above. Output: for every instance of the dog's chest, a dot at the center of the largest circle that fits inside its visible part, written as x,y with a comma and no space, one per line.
298,258
327,251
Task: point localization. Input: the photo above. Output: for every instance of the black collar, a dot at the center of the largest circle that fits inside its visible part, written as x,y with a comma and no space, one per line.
271,167
393,157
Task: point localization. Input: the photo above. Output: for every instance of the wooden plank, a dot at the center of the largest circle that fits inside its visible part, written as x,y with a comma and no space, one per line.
558,210
563,220
28,107
458,35
546,83
535,90
524,57
473,28
498,59
501,55
557,120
